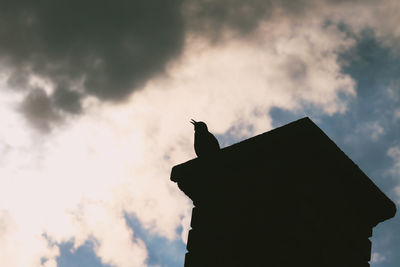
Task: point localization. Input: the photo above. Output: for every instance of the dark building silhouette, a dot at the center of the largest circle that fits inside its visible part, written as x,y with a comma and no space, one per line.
288,197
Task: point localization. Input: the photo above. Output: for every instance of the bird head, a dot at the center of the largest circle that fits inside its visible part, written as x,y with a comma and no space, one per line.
199,126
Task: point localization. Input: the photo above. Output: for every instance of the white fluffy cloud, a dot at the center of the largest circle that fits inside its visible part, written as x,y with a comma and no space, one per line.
78,182
377,257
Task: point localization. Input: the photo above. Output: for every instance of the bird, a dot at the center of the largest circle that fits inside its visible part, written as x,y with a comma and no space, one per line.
205,143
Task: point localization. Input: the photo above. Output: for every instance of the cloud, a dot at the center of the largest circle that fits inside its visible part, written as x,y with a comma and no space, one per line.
95,48
393,89
74,192
114,159
377,257
394,153
37,108
78,182
372,129
67,100
109,50
396,115
397,192
215,18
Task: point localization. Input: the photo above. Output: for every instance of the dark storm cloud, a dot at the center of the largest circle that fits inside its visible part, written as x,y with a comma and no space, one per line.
67,100
18,79
38,109
213,17
113,47
107,49
102,48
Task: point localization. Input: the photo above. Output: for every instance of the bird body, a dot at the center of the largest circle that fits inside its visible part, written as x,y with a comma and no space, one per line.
205,143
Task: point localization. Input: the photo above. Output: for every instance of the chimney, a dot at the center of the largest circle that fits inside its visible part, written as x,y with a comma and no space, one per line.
287,197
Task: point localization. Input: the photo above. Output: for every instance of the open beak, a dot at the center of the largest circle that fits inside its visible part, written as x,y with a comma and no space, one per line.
193,121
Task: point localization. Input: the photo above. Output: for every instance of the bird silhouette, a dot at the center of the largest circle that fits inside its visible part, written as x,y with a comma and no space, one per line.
205,143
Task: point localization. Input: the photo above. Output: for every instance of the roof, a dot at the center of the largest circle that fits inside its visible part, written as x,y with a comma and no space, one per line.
292,162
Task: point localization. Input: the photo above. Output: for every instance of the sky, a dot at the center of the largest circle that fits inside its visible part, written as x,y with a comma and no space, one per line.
96,99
